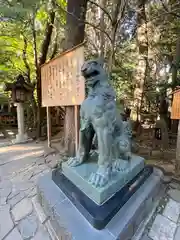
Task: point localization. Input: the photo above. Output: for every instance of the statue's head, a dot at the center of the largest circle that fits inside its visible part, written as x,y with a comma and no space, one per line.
93,72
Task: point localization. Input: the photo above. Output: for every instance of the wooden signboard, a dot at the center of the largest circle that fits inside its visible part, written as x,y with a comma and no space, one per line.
175,111
62,83
175,114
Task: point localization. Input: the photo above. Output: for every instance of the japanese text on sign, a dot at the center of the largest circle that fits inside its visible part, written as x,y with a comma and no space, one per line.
62,83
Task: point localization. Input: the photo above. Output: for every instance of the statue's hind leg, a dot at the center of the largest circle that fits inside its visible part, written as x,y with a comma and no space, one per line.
123,152
85,143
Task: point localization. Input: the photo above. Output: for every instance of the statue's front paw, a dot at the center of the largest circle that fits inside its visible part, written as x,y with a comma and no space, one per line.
101,177
120,165
75,161
98,180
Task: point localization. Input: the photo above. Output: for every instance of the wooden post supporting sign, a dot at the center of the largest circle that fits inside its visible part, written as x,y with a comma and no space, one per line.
48,110
175,114
77,126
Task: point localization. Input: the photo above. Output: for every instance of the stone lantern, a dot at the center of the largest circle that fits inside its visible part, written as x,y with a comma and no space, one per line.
21,91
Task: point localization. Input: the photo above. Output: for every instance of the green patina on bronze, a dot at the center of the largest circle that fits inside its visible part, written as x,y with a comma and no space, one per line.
100,116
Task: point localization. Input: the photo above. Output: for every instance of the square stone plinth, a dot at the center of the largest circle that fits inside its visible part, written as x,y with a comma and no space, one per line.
67,218
79,176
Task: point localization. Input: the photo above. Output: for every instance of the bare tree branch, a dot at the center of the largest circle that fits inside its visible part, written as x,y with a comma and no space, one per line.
55,49
47,37
34,34
104,10
168,11
98,28
92,43
55,43
101,34
116,11
86,22
122,11
24,57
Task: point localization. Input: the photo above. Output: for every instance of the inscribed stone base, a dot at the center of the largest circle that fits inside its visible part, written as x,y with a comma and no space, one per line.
66,220
99,215
79,177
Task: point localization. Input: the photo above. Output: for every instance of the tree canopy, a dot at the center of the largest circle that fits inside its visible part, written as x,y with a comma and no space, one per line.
138,40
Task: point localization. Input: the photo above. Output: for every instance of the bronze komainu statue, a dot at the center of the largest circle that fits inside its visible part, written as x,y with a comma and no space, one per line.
99,116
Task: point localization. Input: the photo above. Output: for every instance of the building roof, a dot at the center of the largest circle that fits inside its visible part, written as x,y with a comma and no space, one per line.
20,83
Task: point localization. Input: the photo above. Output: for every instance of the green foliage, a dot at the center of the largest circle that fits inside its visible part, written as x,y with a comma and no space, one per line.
16,24
163,30
18,10
123,70
11,45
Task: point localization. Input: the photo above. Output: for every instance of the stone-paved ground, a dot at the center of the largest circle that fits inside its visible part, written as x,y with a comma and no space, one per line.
20,167
165,223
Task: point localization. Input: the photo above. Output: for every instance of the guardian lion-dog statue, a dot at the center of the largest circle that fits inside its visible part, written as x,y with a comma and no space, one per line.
99,116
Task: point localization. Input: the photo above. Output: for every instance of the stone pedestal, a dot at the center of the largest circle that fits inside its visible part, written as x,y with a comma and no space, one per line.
79,176
21,136
100,215
65,219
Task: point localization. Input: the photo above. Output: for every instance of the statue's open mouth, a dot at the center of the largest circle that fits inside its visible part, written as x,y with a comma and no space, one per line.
91,74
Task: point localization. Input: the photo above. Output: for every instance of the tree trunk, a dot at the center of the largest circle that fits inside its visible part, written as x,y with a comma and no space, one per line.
42,60
103,4
24,57
74,36
55,48
175,64
117,16
28,74
142,67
